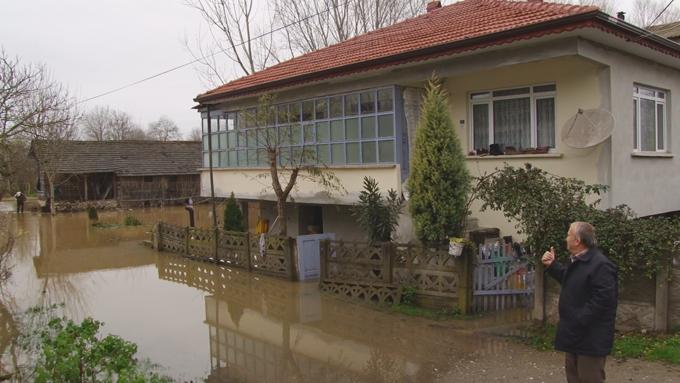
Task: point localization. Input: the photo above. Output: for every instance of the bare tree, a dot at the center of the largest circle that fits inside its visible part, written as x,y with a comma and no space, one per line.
232,25
26,92
95,123
122,127
104,123
138,133
17,170
50,146
286,165
254,40
163,130
646,13
195,135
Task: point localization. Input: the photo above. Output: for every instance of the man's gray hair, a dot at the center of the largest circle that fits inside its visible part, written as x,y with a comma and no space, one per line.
585,232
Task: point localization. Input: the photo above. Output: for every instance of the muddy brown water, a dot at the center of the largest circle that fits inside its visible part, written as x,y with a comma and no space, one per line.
204,321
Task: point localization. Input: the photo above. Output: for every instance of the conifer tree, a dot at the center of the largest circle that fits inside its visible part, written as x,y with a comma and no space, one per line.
233,218
439,180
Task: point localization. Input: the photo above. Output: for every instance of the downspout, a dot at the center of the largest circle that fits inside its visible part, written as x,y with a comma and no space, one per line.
210,167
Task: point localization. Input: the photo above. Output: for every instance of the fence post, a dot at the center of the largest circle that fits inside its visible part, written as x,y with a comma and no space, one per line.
216,239
250,262
465,277
292,258
661,306
539,292
324,247
186,242
156,239
387,251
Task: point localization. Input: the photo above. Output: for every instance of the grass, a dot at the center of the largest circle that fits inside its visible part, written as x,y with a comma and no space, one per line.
102,225
654,347
415,311
131,220
662,348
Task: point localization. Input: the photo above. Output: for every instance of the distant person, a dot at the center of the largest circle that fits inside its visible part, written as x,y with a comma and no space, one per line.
587,305
21,198
189,207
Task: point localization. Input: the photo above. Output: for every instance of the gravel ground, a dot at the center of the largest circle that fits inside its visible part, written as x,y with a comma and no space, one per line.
519,363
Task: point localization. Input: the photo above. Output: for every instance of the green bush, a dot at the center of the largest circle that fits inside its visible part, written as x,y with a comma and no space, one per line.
439,180
544,205
77,353
233,218
131,220
377,216
408,295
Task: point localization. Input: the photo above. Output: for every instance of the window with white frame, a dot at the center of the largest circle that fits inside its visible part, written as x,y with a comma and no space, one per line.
521,118
649,119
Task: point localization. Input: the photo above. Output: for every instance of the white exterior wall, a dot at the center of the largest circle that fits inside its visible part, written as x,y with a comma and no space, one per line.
578,83
587,76
649,185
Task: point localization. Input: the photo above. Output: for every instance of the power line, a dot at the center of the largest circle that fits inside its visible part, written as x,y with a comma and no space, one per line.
328,9
652,23
661,13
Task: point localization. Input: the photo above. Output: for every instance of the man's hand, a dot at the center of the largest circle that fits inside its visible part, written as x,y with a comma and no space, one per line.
548,257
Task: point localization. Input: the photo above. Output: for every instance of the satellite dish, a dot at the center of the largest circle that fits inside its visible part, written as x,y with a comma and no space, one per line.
588,128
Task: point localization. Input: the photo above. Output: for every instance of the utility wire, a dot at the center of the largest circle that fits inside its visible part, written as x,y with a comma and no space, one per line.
652,23
328,9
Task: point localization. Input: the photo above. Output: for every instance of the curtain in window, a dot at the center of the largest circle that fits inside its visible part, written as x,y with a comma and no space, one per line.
480,123
648,125
545,122
660,126
512,122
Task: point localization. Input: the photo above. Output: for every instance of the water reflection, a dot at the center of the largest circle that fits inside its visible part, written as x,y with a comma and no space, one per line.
267,330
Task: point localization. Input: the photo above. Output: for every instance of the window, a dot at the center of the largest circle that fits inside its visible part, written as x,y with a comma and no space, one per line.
353,128
649,119
520,117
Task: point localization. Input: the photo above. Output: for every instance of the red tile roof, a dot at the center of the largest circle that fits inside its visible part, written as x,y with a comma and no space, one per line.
465,20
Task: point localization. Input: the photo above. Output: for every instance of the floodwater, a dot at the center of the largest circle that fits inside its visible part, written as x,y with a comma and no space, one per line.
203,321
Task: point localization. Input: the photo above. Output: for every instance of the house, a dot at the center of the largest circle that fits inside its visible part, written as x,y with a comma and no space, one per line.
670,31
516,73
125,173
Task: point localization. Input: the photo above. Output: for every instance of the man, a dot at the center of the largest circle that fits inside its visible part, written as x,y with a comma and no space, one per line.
21,198
587,305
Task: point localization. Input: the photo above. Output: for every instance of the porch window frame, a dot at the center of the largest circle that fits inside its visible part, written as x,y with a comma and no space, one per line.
637,123
533,96
314,142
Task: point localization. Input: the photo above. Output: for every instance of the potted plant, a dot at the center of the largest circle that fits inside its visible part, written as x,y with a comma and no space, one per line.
456,245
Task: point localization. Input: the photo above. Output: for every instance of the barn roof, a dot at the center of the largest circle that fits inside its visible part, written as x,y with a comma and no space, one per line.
125,158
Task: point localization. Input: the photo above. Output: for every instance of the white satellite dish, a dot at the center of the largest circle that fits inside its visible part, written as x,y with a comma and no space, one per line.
588,128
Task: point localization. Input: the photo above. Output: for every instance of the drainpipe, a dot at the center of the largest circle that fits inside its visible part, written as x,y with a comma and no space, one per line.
210,166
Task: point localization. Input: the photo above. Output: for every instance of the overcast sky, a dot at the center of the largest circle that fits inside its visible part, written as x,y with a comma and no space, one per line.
94,46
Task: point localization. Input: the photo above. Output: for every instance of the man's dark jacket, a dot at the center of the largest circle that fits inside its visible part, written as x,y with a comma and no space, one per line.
587,304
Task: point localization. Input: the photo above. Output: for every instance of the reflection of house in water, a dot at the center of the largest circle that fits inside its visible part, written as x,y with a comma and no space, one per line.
70,245
268,330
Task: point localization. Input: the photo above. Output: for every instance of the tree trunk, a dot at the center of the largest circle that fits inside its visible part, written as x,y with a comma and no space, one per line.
283,224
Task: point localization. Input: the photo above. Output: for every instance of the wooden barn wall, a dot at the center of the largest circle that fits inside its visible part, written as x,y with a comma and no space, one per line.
154,188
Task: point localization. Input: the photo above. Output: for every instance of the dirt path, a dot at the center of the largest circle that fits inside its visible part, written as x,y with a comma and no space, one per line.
519,363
